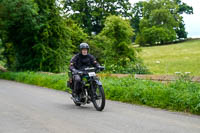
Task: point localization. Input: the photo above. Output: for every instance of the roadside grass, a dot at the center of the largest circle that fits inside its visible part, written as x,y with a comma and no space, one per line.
168,59
54,81
177,96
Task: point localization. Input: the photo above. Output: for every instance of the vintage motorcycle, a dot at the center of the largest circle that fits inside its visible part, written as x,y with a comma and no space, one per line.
91,89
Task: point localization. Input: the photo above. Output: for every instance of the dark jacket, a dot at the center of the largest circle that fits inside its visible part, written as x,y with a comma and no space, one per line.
79,62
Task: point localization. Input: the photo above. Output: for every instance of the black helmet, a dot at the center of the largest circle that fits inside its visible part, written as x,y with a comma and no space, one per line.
84,45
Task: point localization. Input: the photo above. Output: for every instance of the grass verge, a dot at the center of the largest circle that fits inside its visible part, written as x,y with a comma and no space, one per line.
54,81
178,96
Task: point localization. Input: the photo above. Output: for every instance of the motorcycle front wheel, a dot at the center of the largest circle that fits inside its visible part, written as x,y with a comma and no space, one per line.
99,98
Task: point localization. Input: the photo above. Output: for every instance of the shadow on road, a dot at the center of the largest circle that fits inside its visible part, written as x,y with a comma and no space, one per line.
73,107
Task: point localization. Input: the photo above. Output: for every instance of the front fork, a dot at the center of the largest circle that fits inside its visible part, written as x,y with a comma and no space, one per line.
94,84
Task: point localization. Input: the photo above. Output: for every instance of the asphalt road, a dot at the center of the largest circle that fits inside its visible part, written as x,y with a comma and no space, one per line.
30,109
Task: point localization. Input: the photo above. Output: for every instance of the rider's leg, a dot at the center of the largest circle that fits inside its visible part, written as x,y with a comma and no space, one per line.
77,81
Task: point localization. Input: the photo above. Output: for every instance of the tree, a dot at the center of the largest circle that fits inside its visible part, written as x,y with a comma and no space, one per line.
158,23
36,33
177,7
55,40
76,33
113,47
183,8
137,14
119,32
18,20
91,14
115,40
156,35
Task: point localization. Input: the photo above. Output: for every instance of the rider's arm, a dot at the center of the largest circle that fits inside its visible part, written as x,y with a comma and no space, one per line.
94,61
72,63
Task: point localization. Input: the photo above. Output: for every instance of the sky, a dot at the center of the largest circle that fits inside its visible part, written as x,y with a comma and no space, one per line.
192,21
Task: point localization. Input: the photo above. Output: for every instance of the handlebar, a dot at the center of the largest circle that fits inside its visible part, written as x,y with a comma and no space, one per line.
89,69
101,68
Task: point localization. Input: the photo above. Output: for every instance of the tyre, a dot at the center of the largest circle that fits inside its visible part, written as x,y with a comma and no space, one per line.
99,98
77,104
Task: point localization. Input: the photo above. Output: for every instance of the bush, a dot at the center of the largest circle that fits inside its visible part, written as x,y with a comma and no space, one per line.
113,47
98,46
136,67
118,33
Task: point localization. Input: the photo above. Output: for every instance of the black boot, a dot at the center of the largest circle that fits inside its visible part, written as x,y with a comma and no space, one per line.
75,96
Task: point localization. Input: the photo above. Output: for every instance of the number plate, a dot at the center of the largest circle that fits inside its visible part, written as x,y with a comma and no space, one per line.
91,74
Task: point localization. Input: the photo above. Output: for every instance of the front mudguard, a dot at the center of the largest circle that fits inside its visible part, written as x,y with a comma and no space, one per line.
98,82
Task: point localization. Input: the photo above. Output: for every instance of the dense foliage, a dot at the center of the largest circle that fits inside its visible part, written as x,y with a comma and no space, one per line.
113,47
36,33
76,34
118,33
18,27
42,35
180,95
158,22
2,60
91,14
159,19
36,37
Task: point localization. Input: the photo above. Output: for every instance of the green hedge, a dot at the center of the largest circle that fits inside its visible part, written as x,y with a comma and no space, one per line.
179,96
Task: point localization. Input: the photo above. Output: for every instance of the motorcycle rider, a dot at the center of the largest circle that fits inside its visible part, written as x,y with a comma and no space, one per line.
78,63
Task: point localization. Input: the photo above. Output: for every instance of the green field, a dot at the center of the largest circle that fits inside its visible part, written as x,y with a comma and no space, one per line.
168,59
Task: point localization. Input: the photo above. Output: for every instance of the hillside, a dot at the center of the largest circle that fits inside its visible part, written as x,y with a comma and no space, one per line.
168,59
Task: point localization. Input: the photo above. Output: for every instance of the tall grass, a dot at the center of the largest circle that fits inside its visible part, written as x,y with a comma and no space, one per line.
180,95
